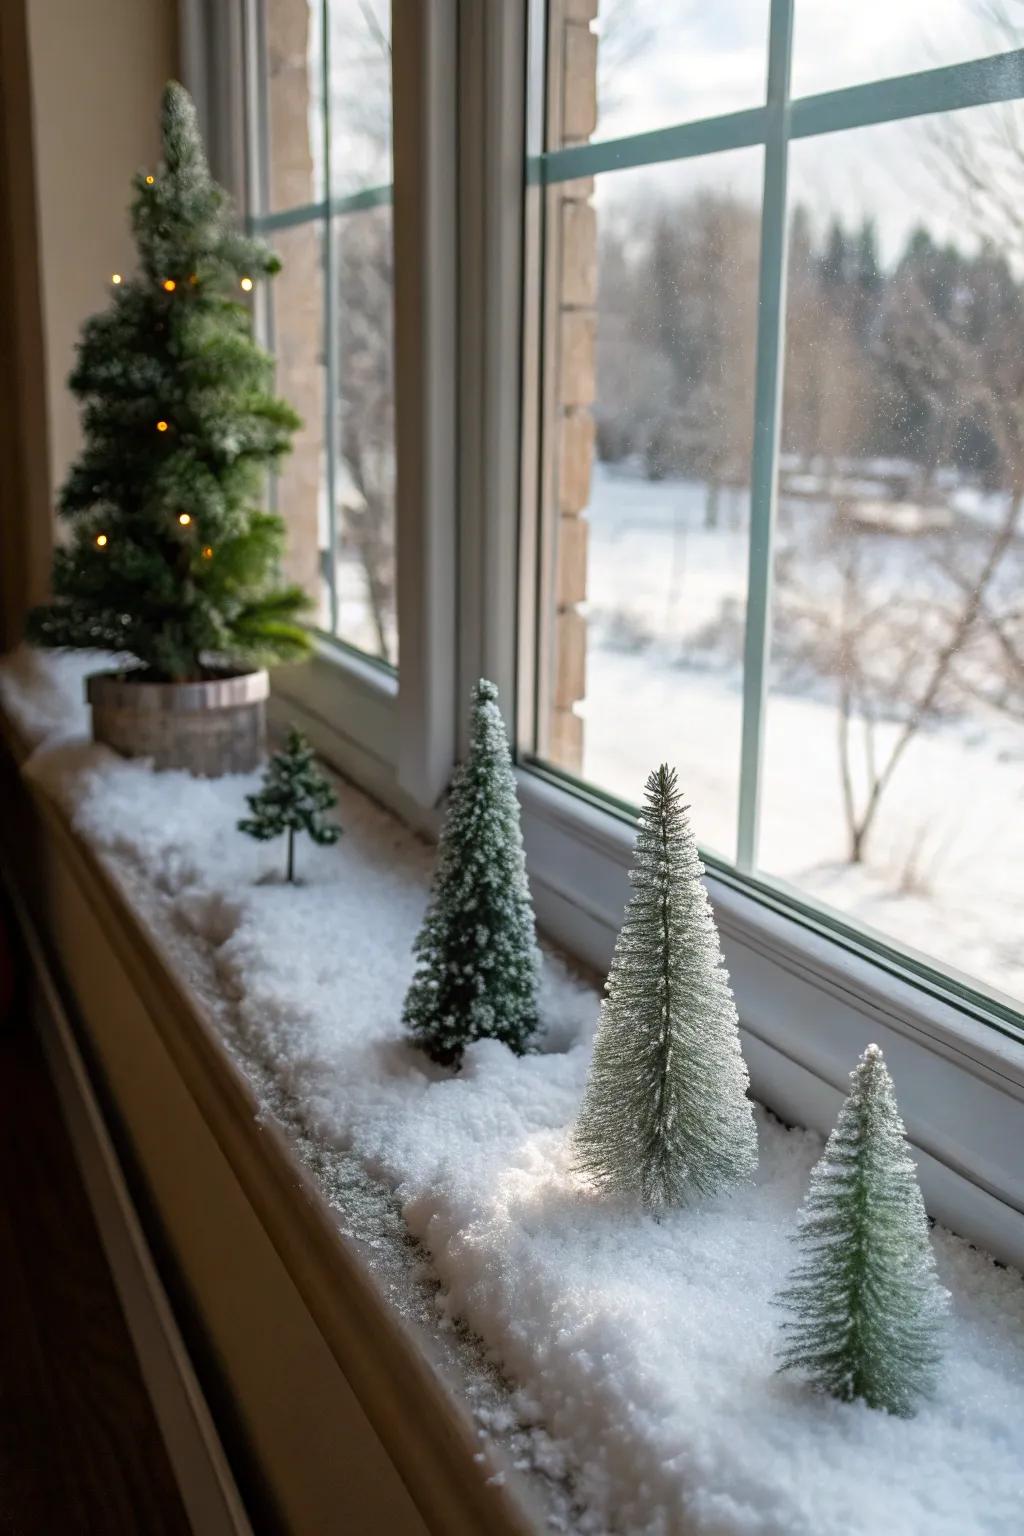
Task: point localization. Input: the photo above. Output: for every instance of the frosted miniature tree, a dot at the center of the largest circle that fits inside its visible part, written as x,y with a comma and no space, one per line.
477,963
293,799
168,556
867,1307
666,1116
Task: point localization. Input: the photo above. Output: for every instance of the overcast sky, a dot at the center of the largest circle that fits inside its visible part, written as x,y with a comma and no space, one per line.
669,61
666,61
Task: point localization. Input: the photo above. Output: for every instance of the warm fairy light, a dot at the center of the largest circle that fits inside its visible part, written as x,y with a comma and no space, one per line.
169,285
184,519
208,553
247,284
101,541
150,180
193,279
161,426
115,277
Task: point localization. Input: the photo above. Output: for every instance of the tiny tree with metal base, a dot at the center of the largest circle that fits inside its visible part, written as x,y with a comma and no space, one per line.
866,1305
293,799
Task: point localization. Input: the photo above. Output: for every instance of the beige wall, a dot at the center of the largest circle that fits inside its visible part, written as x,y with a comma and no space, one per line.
97,68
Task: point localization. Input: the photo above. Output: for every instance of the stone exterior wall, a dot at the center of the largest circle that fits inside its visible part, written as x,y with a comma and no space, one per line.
574,48
298,289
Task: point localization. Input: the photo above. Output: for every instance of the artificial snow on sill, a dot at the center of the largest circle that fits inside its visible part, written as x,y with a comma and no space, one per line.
644,1348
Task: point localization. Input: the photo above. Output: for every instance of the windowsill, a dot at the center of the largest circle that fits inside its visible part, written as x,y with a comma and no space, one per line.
540,1330
808,1002
412,1374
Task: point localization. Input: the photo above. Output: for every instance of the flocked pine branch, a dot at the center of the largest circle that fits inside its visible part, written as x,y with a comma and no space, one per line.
865,1304
167,557
666,1115
293,799
477,963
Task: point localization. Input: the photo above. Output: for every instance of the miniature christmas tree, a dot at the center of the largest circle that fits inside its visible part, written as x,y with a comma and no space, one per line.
477,958
167,558
866,1304
293,799
666,1115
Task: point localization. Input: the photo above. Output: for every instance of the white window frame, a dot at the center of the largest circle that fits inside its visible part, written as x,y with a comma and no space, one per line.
810,997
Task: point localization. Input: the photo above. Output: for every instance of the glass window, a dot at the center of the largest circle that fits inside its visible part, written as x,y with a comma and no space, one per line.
660,62
365,426
666,507
360,72
300,489
290,104
870,386
895,727
830,51
325,174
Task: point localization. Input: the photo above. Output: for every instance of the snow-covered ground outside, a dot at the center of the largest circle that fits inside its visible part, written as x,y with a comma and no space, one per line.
945,867
643,1351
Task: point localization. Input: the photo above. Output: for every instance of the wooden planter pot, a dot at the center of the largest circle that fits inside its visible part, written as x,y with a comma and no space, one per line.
210,728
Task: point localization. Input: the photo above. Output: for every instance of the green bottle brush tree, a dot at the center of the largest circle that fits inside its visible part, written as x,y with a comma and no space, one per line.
478,965
665,1115
865,1305
169,558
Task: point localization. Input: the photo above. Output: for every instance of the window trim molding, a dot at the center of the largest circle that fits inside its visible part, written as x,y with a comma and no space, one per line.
424,62
492,102
215,70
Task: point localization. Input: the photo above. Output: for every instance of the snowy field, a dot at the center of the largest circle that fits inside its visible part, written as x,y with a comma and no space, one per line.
945,867
643,1352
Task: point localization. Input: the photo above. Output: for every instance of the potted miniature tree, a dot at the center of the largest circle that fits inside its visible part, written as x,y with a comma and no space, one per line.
169,561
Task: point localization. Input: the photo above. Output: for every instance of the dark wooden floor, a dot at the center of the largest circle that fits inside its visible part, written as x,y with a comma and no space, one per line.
79,1446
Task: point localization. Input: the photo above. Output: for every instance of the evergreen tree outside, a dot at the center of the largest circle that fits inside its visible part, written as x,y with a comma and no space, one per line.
867,1306
478,964
293,799
666,1115
169,559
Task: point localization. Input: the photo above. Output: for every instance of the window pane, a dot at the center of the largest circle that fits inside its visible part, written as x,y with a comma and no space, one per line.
661,62
292,117
297,294
332,312
895,740
651,437
360,59
365,446
834,46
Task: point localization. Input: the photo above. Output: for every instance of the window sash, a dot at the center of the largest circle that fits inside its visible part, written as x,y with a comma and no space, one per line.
772,126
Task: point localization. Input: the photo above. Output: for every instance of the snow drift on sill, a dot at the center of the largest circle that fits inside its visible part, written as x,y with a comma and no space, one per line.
646,1347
